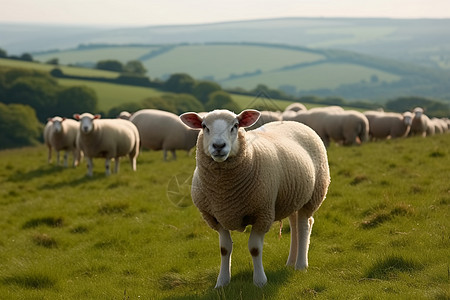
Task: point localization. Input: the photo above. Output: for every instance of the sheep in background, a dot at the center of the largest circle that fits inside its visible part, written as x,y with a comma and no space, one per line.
440,126
255,178
265,117
108,138
161,130
419,125
124,115
348,127
296,106
60,134
383,125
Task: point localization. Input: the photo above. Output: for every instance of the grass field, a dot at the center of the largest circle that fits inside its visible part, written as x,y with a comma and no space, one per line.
220,61
327,75
382,232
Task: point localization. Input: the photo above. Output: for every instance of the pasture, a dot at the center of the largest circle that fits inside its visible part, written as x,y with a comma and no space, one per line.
382,232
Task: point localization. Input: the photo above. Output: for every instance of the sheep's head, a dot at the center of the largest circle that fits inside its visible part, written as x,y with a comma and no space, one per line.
86,121
418,111
57,123
220,130
407,118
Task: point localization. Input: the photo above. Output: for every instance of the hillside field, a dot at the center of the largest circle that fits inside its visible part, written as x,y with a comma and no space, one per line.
382,232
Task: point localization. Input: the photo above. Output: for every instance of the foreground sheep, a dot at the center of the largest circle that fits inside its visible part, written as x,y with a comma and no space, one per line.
384,125
255,178
161,130
108,138
60,134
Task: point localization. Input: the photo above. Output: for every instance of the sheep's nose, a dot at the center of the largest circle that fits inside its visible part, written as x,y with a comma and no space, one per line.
219,146
85,128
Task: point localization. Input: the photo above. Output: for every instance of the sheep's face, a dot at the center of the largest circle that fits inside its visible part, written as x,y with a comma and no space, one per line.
86,122
220,130
418,112
57,124
407,118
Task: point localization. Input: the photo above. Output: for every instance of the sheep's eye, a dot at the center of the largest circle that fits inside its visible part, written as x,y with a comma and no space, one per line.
204,127
235,126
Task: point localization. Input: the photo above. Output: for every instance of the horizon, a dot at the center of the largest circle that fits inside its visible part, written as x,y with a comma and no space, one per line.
139,13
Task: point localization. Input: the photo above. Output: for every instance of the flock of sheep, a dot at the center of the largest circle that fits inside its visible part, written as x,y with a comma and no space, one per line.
159,130
242,177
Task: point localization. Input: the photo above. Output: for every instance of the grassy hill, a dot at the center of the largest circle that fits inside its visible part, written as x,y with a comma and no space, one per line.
296,70
382,232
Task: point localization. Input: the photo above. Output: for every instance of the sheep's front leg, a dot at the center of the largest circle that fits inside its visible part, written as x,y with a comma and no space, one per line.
108,166
90,166
66,157
255,246
116,165
305,223
57,158
226,246
294,240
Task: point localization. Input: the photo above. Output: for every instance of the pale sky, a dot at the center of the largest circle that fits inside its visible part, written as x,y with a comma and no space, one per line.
164,12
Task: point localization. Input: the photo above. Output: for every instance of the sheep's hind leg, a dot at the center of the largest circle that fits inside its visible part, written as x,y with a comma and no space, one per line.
293,220
305,223
226,246
255,246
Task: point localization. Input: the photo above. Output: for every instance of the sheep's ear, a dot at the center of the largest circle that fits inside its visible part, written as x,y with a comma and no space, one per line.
97,116
192,120
76,116
248,117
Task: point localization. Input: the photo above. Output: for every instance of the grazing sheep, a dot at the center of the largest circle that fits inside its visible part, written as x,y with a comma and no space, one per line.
61,134
161,130
266,117
440,126
295,107
108,138
419,125
255,178
348,127
383,125
124,115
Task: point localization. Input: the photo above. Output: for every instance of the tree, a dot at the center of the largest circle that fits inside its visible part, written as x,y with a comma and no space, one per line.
180,83
76,99
26,57
202,90
3,53
135,67
18,126
221,100
110,65
53,61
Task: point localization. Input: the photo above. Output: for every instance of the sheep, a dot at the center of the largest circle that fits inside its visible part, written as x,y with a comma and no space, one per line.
383,125
440,126
163,130
419,125
124,115
108,138
295,107
348,127
60,134
255,178
266,117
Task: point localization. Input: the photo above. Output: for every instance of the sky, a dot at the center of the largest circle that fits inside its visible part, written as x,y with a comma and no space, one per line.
168,12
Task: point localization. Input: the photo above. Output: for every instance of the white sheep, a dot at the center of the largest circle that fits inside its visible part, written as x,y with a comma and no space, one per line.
419,125
256,178
124,115
108,138
60,134
161,130
266,117
348,127
296,106
383,125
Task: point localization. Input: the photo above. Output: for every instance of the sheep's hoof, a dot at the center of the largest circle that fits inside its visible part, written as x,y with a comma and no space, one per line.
260,282
301,267
222,282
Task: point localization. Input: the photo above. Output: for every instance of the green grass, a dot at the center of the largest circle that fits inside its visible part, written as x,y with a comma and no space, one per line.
327,75
382,232
222,60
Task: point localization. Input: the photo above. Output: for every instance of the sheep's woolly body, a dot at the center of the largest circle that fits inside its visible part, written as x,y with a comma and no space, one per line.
279,169
160,130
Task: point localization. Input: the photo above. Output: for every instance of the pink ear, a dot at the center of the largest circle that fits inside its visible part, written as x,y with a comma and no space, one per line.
248,117
76,116
192,120
97,116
